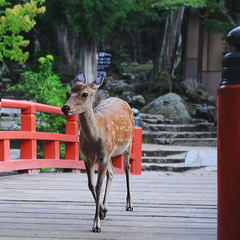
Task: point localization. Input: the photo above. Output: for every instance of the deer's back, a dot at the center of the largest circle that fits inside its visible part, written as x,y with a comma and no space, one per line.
116,121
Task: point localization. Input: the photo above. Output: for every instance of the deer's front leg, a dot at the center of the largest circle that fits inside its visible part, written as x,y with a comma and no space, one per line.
102,169
104,208
90,174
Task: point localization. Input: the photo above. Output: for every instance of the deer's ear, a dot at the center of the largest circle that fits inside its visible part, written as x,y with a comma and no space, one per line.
98,82
79,77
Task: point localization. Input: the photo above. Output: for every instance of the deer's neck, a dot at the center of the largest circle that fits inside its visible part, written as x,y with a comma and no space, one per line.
89,129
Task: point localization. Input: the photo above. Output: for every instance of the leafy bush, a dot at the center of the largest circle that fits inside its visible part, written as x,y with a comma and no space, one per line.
44,86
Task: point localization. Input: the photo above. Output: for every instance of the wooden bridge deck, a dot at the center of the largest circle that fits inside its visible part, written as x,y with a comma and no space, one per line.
59,206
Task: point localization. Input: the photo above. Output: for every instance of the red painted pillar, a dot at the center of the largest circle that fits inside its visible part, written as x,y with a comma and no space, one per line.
136,154
28,147
118,162
51,150
72,149
4,150
229,143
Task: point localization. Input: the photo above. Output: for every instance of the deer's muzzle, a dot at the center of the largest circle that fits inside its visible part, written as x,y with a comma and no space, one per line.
65,109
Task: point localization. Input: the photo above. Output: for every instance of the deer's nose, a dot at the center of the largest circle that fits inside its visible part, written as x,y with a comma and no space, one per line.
65,109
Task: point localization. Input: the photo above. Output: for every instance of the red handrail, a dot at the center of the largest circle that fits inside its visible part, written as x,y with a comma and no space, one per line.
28,143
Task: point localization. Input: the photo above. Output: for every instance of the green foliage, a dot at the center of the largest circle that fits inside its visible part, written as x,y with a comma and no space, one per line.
217,14
45,87
218,17
215,25
14,20
175,4
91,19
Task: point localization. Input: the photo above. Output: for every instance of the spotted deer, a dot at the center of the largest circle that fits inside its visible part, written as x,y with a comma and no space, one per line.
106,131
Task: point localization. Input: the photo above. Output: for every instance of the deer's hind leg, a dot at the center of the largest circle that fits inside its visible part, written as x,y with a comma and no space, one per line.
110,174
127,166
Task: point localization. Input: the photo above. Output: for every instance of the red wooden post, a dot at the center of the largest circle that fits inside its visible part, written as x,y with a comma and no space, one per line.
28,147
51,150
118,162
5,150
4,147
228,143
136,156
72,149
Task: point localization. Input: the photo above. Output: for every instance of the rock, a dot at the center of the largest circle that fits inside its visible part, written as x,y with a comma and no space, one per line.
138,99
170,106
116,86
206,112
129,76
127,96
212,99
132,99
194,91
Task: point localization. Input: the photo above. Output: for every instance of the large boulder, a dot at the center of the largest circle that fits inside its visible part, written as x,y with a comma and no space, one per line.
170,106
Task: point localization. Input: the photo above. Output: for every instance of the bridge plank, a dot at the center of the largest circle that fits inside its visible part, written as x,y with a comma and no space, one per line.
59,206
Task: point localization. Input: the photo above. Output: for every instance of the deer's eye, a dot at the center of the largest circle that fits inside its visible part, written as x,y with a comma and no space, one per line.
85,94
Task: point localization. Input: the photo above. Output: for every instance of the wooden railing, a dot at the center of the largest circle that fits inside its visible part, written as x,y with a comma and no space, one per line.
28,137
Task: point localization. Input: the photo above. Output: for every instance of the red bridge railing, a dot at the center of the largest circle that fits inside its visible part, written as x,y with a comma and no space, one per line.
28,137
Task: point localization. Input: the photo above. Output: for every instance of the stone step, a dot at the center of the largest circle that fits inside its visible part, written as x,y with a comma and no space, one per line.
177,167
14,154
201,142
155,121
149,135
9,125
161,153
150,116
180,158
10,113
180,127
154,118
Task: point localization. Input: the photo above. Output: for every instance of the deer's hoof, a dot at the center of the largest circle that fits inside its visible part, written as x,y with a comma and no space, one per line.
129,208
96,229
102,214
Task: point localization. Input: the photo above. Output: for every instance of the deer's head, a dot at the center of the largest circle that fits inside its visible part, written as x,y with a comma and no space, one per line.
80,96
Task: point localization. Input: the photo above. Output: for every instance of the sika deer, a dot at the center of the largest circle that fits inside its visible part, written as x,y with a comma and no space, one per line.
106,131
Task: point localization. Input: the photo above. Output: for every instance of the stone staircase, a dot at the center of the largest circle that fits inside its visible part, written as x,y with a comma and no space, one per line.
167,145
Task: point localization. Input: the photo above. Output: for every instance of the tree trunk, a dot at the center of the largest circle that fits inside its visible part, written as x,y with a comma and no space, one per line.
170,43
87,61
64,48
76,54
